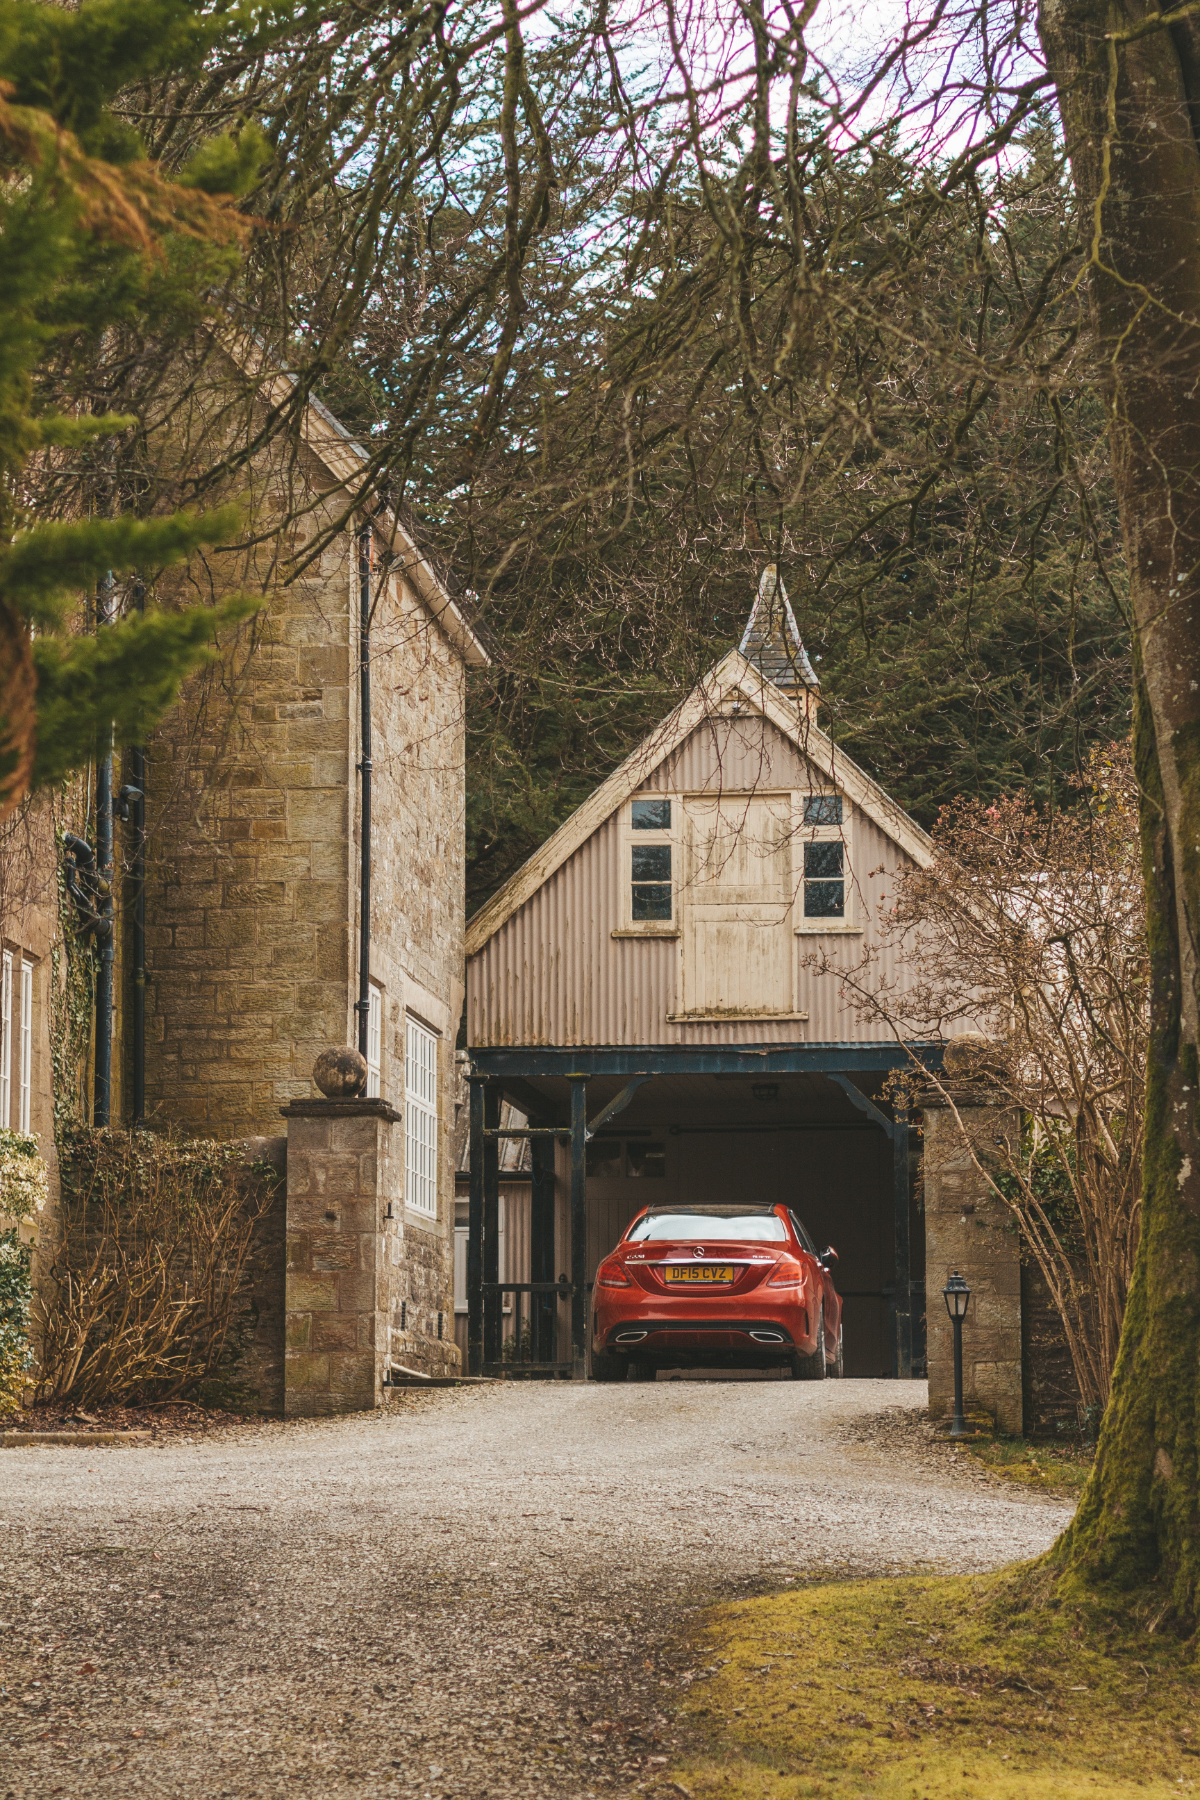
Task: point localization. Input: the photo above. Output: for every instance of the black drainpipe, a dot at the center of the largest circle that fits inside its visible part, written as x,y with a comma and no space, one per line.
102,1086
363,1003
137,875
135,797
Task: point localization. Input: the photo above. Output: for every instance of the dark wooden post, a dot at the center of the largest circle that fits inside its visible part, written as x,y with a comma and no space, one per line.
900,1203
475,1233
579,1299
544,1311
491,1225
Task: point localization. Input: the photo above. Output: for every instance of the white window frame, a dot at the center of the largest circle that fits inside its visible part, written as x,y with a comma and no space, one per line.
374,1041
6,1022
6,1039
827,834
25,1092
657,928
420,1118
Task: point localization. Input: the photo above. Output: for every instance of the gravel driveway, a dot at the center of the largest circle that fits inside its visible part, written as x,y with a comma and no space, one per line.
475,1593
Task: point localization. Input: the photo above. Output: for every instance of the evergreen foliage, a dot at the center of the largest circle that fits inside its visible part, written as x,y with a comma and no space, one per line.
92,235
16,1296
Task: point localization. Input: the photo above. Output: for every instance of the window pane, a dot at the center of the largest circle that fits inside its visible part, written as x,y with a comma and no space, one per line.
823,809
651,903
652,862
652,815
822,859
26,1091
710,1222
604,1159
6,1015
420,1119
647,1159
824,900
374,1042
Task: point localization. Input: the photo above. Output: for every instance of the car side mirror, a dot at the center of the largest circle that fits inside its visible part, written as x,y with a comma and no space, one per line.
828,1257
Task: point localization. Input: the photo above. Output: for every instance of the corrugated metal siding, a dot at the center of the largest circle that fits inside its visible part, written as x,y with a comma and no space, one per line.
733,754
555,975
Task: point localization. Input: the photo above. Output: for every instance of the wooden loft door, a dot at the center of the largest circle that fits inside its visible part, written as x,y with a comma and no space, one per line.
736,941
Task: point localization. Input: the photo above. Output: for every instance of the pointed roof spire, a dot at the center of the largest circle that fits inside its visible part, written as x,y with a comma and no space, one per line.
771,640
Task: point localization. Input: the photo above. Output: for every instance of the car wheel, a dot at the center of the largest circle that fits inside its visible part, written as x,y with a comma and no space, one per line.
837,1368
812,1368
642,1371
608,1368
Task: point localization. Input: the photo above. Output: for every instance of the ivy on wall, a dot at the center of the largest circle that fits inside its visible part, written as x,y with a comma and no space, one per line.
72,988
23,1187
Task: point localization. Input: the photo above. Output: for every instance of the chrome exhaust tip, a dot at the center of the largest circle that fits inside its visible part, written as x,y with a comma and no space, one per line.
630,1337
768,1337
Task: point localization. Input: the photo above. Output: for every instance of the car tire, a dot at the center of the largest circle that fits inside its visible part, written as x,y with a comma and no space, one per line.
812,1368
642,1371
608,1368
837,1368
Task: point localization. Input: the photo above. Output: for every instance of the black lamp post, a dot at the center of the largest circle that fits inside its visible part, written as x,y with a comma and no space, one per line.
957,1296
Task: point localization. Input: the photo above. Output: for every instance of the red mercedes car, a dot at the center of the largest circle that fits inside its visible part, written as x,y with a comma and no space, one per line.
716,1287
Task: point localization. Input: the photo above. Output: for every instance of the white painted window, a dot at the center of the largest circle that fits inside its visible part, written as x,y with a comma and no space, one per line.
6,1022
824,860
374,1040
420,1119
26,1089
650,872
826,897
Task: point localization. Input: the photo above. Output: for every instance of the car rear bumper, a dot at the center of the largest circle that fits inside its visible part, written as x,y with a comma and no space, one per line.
736,1339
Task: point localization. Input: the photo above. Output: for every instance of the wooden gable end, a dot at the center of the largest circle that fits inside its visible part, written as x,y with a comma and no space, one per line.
681,918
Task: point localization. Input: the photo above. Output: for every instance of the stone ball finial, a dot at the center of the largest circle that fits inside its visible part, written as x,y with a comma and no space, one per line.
341,1073
971,1056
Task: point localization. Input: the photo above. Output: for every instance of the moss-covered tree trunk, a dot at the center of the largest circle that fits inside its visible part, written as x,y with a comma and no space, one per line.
1129,92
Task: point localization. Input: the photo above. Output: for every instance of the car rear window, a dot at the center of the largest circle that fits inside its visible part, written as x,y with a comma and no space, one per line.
719,1222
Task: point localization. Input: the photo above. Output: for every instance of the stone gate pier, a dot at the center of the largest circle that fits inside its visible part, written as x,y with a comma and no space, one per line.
969,1229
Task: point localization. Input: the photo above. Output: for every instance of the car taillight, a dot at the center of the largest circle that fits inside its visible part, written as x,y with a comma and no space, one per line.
612,1275
786,1273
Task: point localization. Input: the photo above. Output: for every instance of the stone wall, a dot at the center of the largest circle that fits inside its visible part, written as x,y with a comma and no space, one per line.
249,901
423,1301
968,1229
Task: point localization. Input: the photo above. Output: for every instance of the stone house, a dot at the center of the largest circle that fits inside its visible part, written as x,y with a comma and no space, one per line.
242,948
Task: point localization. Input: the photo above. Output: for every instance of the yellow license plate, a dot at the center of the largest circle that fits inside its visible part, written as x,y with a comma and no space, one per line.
698,1272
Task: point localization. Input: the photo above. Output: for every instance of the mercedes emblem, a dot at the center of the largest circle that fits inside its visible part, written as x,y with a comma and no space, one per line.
697,1253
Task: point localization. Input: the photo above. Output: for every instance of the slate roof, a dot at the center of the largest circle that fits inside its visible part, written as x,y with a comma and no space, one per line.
771,640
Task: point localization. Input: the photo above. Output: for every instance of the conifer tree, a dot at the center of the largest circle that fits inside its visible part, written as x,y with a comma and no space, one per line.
89,229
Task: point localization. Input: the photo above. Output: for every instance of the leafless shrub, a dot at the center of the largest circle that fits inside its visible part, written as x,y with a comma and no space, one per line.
149,1280
1025,943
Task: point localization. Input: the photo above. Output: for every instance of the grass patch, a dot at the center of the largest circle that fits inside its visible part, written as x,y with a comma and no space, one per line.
922,1689
1052,1468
